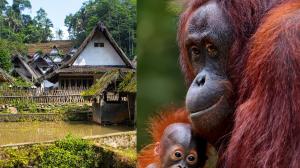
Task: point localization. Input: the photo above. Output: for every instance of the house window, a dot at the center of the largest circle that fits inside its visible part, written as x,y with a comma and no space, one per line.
98,44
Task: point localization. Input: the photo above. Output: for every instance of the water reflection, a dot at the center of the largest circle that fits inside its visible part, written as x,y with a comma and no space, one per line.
23,132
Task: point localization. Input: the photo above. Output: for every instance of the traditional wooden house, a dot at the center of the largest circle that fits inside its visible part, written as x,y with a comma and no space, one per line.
114,98
54,56
98,54
54,53
40,64
24,70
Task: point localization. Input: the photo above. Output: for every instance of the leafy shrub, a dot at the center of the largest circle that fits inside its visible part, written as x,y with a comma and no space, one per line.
69,152
18,159
25,105
55,157
8,48
22,157
5,62
21,83
76,108
65,153
109,157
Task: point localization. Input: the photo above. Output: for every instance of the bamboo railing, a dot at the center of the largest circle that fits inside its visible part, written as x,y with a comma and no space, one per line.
70,95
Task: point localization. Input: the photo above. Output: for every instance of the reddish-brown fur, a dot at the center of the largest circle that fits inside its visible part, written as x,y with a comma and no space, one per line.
266,50
157,126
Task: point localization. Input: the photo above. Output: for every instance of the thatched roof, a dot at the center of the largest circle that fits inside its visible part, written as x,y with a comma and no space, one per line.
89,69
111,77
102,83
128,84
64,46
19,59
5,77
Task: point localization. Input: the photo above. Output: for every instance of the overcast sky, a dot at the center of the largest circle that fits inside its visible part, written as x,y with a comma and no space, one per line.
57,11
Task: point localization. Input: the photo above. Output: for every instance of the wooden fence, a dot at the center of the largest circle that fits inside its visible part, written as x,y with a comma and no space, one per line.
8,96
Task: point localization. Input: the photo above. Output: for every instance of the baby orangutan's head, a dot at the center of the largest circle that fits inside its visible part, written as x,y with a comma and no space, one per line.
180,148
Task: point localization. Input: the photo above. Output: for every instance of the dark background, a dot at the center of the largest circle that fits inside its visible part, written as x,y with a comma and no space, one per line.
160,82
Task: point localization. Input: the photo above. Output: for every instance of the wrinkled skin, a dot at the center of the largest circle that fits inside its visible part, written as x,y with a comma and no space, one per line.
208,40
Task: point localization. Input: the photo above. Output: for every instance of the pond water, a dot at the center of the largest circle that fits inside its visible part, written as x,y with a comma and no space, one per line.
25,132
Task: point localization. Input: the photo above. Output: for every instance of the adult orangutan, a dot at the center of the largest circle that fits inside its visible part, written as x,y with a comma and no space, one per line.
242,61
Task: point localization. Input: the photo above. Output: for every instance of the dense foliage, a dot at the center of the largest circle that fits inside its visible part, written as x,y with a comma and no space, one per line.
17,28
68,152
20,83
119,16
7,49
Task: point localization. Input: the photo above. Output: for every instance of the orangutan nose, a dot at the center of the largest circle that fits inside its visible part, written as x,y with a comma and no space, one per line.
200,81
205,91
180,166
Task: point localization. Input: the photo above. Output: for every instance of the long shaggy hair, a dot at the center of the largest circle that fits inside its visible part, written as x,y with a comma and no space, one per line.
157,125
267,126
264,67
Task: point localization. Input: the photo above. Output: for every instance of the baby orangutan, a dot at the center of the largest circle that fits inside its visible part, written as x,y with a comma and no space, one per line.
174,146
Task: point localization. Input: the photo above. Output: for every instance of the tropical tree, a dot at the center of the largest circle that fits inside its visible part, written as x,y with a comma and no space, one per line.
5,62
12,19
19,5
44,24
59,34
17,28
3,4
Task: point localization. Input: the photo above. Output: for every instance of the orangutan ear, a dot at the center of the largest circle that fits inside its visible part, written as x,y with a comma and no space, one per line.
157,149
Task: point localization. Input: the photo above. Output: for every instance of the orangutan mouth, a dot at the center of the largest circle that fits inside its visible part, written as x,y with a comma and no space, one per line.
211,108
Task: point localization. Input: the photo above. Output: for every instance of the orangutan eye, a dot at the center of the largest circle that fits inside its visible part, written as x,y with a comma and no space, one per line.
177,155
195,50
191,158
195,53
211,49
